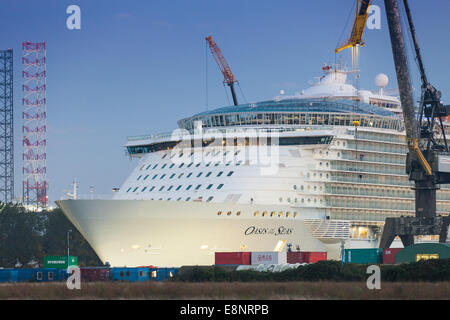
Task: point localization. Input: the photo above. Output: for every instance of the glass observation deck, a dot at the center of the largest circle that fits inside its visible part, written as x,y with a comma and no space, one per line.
315,112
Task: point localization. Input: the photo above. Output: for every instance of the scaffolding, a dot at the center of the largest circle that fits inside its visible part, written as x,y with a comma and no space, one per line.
6,127
34,117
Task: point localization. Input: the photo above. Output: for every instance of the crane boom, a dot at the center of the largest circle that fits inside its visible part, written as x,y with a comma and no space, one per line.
362,13
228,76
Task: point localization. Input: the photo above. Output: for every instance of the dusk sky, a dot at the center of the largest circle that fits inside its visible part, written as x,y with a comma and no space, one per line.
138,66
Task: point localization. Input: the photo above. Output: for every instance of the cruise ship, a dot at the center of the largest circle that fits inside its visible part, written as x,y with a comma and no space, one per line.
315,171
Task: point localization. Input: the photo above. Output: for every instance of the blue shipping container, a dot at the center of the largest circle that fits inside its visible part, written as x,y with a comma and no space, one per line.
129,274
161,274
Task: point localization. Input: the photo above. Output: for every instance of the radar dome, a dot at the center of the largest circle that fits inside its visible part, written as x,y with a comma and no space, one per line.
381,80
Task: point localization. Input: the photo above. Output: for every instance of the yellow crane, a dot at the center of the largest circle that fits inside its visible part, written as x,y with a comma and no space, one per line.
355,40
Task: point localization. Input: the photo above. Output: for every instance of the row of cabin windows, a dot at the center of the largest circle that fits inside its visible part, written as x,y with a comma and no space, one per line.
264,214
187,199
181,165
229,174
176,189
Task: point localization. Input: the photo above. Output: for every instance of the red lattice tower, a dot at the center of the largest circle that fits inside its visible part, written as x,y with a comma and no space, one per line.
34,116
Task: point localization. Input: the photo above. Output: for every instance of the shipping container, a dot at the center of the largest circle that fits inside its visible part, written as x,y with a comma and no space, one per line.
232,258
269,257
161,274
45,274
364,256
389,255
305,257
25,275
129,274
59,262
313,257
4,275
95,274
423,251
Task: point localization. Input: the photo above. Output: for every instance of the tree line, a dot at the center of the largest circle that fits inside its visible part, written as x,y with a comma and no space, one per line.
26,237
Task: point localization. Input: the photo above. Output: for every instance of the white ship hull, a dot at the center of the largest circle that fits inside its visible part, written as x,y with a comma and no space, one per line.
168,233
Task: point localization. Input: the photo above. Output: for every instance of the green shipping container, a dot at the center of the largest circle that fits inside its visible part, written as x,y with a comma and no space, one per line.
423,251
59,262
364,256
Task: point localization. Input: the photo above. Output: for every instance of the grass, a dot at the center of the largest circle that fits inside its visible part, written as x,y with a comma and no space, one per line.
228,290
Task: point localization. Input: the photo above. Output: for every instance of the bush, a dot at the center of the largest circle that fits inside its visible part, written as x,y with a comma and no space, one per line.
430,270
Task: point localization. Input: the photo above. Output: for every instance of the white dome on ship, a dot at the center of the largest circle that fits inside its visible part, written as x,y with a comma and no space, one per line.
381,80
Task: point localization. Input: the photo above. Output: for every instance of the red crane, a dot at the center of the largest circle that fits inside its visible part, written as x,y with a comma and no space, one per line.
228,76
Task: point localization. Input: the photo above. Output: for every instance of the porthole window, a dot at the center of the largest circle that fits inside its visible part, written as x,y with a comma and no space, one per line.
199,174
129,189
229,213
151,189
197,165
172,175
207,165
198,187
272,213
179,199
190,164
256,213
145,177
165,155
188,198
188,187
164,165
230,173
178,188
220,186
181,165
143,189
135,189
189,175
161,189
148,167
154,177
154,167
209,199
162,177
264,213
238,213
220,173
209,187
170,188
180,175
280,214
139,177
172,165
208,174
295,187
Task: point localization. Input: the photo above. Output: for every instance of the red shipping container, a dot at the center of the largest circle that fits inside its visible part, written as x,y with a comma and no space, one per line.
313,257
94,274
389,255
295,257
222,258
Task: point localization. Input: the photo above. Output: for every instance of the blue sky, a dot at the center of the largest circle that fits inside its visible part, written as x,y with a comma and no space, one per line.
136,67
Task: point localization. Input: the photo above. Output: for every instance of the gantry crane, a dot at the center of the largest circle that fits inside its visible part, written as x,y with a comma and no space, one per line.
428,159
228,76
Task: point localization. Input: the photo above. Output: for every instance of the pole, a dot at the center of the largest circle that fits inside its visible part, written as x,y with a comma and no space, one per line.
68,249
